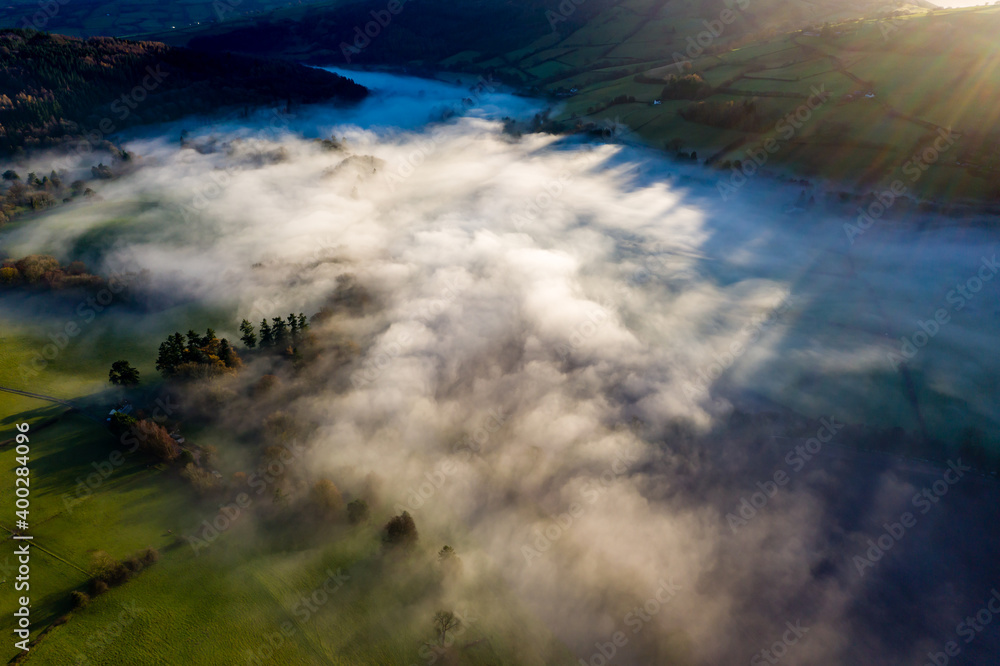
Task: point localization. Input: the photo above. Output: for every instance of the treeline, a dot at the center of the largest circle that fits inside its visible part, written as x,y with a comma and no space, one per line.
54,89
42,270
745,116
106,571
279,333
690,86
432,32
194,356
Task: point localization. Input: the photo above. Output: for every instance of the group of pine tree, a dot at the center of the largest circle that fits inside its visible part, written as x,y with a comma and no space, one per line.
195,356
191,356
279,333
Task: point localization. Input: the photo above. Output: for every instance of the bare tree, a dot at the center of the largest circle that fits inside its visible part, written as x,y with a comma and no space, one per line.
445,621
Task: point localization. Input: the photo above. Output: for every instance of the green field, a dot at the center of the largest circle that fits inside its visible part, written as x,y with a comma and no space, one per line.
238,596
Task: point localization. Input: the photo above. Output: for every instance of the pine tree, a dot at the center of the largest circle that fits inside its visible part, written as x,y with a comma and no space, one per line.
228,355
171,355
280,330
249,338
193,352
303,323
266,336
293,324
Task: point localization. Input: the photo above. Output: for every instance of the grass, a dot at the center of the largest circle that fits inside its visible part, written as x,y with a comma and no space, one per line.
921,75
237,597
218,604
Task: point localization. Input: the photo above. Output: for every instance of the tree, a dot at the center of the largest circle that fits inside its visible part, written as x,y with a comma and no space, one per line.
303,323
171,355
400,531
326,497
293,324
10,174
228,355
155,440
445,621
450,562
280,331
357,511
107,569
204,482
266,335
123,374
249,338
121,423
193,352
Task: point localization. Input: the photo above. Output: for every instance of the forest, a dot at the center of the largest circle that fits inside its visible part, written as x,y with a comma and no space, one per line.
55,89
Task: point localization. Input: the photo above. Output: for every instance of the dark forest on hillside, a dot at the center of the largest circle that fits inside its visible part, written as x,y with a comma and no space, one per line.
55,88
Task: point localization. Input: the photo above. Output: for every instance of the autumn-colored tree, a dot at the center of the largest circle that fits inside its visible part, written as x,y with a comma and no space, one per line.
155,440
34,266
9,275
326,497
203,481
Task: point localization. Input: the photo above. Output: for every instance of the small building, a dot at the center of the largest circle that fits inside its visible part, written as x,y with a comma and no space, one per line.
657,102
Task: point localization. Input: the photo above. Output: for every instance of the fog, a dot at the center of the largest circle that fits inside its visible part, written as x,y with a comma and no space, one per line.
576,359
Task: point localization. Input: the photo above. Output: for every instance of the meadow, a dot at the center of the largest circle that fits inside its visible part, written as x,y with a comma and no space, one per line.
83,502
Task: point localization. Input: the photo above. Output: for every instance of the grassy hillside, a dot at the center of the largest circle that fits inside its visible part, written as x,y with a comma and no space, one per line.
608,61
239,595
531,42
893,85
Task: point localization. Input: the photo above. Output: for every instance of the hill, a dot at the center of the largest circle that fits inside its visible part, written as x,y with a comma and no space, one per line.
54,88
892,89
893,77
